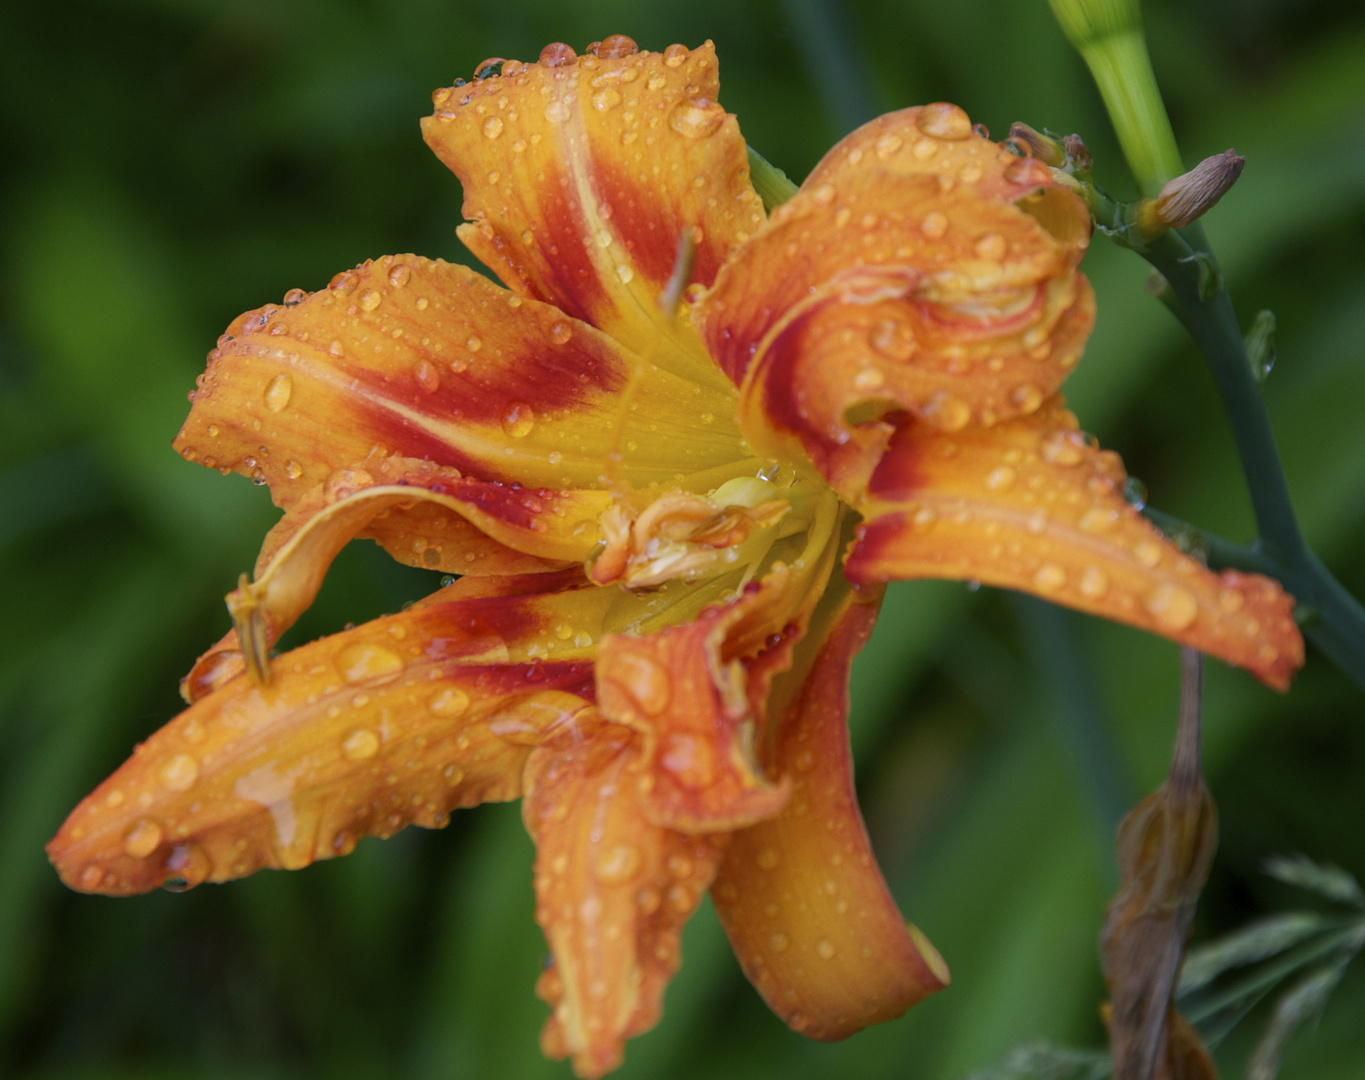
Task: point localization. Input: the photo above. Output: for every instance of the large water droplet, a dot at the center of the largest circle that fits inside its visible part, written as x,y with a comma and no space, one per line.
605,99
557,54
187,865
360,744
893,339
519,420
616,46
1174,608
142,839
293,470
697,117
947,412
618,865
364,661
399,275
560,333
428,378
370,299
888,144
944,121
448,701
675,55
933,225
1094,583
1063,448
492,127
1049,577
991,246
179,773
556,111
277,392
1028,397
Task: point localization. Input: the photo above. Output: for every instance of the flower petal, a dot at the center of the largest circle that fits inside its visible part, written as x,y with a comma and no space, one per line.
430,360
613,892
800,895
1032,505
581,175
397,721
936,274
684,690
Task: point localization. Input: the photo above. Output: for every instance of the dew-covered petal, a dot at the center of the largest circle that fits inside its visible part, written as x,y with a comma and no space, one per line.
582,174
800,896
429,360
395,722
931,272
613,891
1032,504
684,689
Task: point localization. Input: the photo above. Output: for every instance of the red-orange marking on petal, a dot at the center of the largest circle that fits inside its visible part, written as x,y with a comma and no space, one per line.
612,893
580,177
800,895
359,734
891,282
1031,504
684,689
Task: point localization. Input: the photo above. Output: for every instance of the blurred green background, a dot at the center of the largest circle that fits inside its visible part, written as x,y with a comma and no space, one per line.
167,164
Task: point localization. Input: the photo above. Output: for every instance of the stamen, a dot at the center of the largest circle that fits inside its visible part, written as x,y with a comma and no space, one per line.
671,297
248,617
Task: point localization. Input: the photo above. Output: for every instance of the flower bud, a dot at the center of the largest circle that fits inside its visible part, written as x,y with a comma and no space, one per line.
1190,195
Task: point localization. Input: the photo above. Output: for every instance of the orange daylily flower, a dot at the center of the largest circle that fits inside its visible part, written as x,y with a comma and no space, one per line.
860,388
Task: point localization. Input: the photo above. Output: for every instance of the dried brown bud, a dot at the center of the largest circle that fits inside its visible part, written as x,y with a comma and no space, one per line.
1078,152
1191,195
1047,150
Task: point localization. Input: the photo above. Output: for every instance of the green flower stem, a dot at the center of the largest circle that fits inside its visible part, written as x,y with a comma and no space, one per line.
1108,35
774,187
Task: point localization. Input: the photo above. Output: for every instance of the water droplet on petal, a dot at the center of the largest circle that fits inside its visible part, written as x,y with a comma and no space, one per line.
1147,552
277,392
1063,448
991,246
1049,577
1173,607
944,121
618,865
615,46
293,470
518,420
364,661
778,943
607,98
768,858
428,378
448,701
142,839
187,865
1028,397
888,144
557,54
560,333
824,950
947,412
360,744
1094,583
90,877
370,299
179,773
400,275
696,118
893,339
934,225
492,127
1094,521
557,111
1000,479
473,343
674,55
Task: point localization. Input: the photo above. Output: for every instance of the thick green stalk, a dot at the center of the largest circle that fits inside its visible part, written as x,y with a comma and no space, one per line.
1108,35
